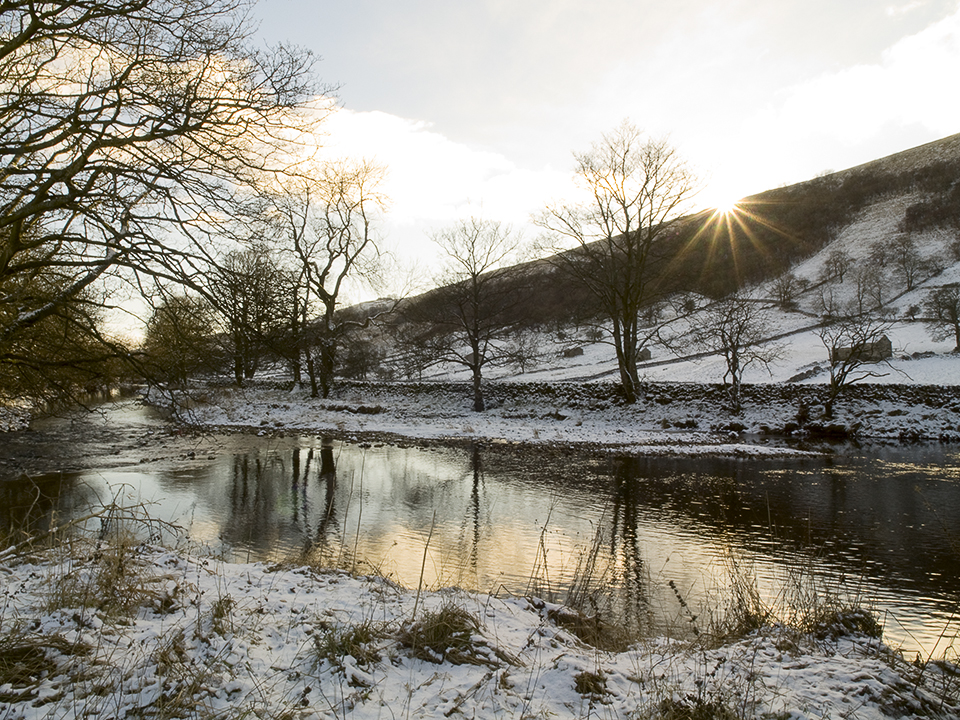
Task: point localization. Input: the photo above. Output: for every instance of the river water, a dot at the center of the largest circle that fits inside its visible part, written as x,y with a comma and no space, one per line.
881,526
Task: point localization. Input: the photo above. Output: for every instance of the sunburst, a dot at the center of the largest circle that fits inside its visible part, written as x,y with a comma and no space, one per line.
726,206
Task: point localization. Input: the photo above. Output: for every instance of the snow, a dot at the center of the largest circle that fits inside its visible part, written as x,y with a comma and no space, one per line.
674,418
12,418
218,638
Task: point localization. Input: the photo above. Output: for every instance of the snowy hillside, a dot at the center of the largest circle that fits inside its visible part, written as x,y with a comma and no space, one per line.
868,243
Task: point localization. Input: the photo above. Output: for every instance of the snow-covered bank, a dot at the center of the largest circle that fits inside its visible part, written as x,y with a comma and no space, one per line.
672,418
181,636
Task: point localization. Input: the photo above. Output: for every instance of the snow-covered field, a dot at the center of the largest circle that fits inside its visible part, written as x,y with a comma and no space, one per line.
671,419
177,635
917,357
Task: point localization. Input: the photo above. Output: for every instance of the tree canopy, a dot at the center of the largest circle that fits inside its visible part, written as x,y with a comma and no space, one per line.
128,129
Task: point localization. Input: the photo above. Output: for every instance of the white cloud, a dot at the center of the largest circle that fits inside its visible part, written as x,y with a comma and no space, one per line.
911,86
836,119
897,10
726,116
432,180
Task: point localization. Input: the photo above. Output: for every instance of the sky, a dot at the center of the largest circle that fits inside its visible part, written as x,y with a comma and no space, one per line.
476,107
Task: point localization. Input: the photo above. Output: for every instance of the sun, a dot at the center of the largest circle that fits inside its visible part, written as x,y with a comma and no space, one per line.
726,205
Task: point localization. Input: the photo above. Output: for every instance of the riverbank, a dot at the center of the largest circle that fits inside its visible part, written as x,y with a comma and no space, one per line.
121,629
113,628
671,418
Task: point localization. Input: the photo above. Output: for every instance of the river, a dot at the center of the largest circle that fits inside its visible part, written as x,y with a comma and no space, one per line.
877,525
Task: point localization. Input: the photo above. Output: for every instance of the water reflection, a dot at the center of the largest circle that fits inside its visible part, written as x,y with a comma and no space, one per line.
626,547
29,506
500,519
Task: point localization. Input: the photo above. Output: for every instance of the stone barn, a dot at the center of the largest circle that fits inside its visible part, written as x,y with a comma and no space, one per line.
868,352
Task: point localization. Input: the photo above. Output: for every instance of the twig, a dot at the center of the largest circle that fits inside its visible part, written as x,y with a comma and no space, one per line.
356,539
14,549
423,565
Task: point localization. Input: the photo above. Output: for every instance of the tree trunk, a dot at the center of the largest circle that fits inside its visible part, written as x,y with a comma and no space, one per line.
628,385
735,374
627,364
238,369
629,375
832,396
312,372
327,364
478,405
297,367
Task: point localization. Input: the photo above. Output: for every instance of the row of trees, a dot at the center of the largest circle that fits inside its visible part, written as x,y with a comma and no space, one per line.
131,134
150,146
619,242
611,241
279,298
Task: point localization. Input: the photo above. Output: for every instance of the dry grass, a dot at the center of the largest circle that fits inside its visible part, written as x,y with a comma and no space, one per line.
108,576
356,641
111,578
694,708
26,658
443,635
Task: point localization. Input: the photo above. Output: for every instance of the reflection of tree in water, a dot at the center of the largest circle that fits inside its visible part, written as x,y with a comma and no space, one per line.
324,537
28,506
261,487
471,521
253,500
298,486
625,551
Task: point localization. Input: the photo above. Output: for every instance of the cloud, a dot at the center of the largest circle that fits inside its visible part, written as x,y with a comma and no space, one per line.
852,115
432,181
911,84
431,178
897,10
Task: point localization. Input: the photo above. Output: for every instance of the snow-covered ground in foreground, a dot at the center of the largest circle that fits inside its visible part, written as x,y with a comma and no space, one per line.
209,639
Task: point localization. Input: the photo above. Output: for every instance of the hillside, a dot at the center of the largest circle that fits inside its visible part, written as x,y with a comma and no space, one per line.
781,247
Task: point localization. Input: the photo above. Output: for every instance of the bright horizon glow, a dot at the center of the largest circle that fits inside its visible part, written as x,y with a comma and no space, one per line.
725,205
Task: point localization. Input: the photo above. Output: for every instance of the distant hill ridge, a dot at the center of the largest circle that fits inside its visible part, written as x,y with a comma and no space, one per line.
908,160
778,228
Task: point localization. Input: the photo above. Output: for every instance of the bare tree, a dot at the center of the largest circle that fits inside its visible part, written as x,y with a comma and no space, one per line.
127,128
855,343
836,265
247,291
943,313
524,349
329,227
636,189
179,338
64,357
414,347
829,300
737,328
475,309
907,260
359,355
870,283
787,288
